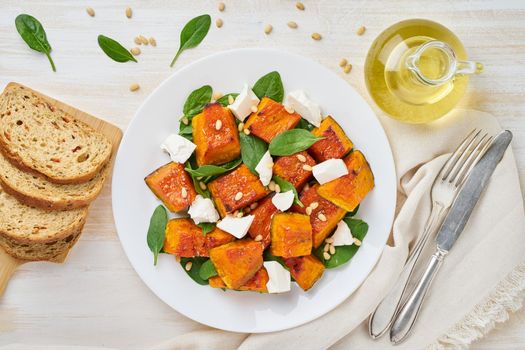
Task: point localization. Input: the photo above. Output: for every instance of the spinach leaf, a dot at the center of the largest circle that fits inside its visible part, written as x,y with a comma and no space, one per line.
207,227
268,256
213,170
352,213
252,150
114,49
305,124
197,100
287,186
270,86
192,34
196,264
33,33
224,99
207,270
191,164
292,141
186,131
156,231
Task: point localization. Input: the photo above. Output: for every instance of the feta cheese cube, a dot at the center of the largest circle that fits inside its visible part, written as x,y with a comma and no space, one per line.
342,235
304,106
279,278
264,168
242,107
203,210
237,227
329,170
283,200
178,147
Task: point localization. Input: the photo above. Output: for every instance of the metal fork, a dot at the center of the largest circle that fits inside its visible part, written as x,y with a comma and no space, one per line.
444,189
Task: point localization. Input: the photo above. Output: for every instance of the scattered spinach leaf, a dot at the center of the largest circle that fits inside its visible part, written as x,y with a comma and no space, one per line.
270,86
196,101
192,34
287,186
206,227
292,141
156,231
352,213
114,50
196,264
33,33
224,99
213,170
191,164
207,270
186,131
252,150
305,124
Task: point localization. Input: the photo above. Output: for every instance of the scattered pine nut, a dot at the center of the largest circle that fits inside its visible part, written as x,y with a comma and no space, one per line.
238,196
258,238
361,30
332,249
329,240
299,5
143,40
357,242
219,22
254,109
326,248
200,177
231,100
301,158
239,214
292,24
202,185
308,210
247,131
348,68
307,167
321,217
316,36
135,51
271,186
152,42
188,265
218,124
253,205
221,6
184,193
90,11
217,95
343,62
289,109
314,205
326,256
129,12
240,126
137,40
277,188
268,29
185,120
134,87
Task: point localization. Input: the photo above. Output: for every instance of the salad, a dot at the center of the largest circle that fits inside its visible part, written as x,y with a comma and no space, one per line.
265,188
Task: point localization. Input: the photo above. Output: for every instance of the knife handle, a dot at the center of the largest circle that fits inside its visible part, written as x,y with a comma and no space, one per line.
407,316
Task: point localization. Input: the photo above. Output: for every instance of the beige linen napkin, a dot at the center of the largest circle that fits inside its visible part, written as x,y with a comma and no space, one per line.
482,279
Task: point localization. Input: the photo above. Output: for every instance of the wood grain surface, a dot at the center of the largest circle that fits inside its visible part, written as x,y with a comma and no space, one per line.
96,298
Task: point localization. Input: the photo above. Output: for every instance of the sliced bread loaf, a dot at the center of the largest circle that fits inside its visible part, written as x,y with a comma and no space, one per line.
39,137
36,191
36,234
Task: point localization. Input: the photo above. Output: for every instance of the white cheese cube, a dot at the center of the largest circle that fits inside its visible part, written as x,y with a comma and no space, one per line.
203,210
283,200
264,168
279,278
242,107
237,227
304,106
178,147
342,235
329,170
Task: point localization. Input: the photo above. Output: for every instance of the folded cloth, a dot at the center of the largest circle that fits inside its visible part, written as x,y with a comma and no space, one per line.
482,279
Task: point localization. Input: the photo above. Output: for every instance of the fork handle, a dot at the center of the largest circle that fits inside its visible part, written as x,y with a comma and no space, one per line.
385,312
407,316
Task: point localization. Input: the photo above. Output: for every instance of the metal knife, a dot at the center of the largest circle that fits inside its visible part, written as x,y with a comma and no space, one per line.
449,232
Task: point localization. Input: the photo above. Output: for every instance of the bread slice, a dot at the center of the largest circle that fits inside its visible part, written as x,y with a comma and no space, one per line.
38,137
36,234
34,190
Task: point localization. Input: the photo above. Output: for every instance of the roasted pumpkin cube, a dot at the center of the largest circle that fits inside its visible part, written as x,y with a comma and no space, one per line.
349,190
306,270
291,235
216,136
184,239
270,120
225,190
256,284
335,143
217,237
263,220
291,168
237,262
324,217
168,182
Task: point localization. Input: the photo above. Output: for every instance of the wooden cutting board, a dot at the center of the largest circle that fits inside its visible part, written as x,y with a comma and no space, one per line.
9,264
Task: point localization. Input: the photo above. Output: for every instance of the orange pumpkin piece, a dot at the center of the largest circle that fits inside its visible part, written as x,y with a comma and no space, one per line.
335,143
321,209
263,220
349,190
291,235
256,284
237,262
168,182
270,120
216,238
226,189
216,136
290,168
306,270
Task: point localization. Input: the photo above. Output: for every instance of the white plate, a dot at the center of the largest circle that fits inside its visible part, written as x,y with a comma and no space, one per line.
140,154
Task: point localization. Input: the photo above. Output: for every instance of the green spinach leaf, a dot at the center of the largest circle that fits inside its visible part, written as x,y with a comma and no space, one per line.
196,101
186,131
207,270
305,124
287,186
224,99
156,231
206,227
213,170
196,264
33,33
352,213
252,150
192,34
114,49
292,141
270,86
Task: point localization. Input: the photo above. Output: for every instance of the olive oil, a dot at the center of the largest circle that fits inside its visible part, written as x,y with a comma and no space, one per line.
416,71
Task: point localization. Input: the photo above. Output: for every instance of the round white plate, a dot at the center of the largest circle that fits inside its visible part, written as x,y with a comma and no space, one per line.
140,154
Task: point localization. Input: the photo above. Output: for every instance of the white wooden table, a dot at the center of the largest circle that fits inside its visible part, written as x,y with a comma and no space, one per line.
96,298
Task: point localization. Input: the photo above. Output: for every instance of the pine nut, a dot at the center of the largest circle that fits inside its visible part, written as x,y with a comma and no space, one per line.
301,158
277,188
326,256
200,177
316,36
268,29
258,238
343,62
152,42
202,185
314,205
188,266
348,68
357,242
221,6
219,22
185,120
332,249
129,12
247,131
135,51
137,40
184,193
306,187
217,95
239,214
269,165
238,196
292,24
321,217
240,126
288,109
231,100
308,210
299,5
307,167
218,124
271,186
361,30
90,11
329,240
326,248
253,205
254,109
134,87
143,40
